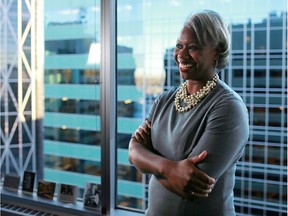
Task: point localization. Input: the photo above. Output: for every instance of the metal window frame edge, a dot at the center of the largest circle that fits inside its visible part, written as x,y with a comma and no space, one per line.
108,104
108,98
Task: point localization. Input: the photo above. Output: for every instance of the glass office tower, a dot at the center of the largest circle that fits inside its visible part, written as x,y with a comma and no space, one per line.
72,123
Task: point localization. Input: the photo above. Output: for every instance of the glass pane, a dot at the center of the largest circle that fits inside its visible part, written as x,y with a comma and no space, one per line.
18,129
276,44
72,93
146,36
260,39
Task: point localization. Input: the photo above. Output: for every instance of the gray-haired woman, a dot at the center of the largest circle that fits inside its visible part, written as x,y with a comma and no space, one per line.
194,134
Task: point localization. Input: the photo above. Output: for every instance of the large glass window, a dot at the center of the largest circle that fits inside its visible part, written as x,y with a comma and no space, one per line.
72,93
147,31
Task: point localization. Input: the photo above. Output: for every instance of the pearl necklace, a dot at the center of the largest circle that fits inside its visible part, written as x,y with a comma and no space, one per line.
184,102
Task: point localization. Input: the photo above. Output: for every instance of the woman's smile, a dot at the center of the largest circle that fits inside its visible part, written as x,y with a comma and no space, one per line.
184,66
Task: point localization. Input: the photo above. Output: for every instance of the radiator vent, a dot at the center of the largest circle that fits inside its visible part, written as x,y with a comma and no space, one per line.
8,209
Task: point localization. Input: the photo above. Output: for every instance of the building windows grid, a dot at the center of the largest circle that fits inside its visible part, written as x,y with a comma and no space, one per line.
262,173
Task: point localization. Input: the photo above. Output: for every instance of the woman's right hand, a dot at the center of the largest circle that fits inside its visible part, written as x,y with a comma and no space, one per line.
187,180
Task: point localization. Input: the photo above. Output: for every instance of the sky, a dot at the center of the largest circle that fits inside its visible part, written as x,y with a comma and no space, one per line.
175,11
233,10
159,17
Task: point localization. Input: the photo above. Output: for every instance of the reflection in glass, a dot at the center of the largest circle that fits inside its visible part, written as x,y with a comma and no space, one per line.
72,106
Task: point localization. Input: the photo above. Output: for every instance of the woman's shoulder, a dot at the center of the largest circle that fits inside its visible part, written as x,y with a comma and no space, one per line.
229,108
164,100
228,99
167,94
225,92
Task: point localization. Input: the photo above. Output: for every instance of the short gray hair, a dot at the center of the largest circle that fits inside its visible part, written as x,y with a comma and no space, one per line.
210,27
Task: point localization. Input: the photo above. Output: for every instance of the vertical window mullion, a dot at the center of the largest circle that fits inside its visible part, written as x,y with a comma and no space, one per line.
108,104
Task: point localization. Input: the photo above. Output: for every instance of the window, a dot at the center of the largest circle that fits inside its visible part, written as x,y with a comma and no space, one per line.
72,139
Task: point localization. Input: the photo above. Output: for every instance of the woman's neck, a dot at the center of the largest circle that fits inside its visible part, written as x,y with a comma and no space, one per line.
195,85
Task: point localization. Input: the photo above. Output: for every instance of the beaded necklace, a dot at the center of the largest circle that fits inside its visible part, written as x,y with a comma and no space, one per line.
185,102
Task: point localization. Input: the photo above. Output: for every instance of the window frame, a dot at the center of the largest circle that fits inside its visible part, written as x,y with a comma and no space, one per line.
108,104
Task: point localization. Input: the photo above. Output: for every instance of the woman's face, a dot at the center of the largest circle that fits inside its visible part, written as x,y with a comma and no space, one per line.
195,62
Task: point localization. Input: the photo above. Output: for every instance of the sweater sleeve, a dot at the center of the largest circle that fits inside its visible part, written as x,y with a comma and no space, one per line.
224,137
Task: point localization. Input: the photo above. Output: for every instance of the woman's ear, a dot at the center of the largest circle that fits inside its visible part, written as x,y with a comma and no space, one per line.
217,51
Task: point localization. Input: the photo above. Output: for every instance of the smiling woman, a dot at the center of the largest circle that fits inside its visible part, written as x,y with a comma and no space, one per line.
181,143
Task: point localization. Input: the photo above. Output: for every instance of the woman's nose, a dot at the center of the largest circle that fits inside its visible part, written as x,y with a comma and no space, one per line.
183,53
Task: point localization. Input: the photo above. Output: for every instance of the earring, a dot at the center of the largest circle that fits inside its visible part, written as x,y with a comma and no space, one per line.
215,63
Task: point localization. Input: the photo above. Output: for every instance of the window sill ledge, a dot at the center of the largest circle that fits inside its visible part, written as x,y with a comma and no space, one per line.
31,201
54,207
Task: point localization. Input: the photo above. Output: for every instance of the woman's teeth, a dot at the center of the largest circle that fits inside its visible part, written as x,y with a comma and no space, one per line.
185,65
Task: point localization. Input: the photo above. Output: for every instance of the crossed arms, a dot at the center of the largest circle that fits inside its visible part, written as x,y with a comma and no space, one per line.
224,139
181,177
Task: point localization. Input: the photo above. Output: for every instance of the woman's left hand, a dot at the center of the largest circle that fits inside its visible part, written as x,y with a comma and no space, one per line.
186,179
143,134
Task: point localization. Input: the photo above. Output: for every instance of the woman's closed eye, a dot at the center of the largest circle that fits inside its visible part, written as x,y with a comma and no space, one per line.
190,47
193,47
179,46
